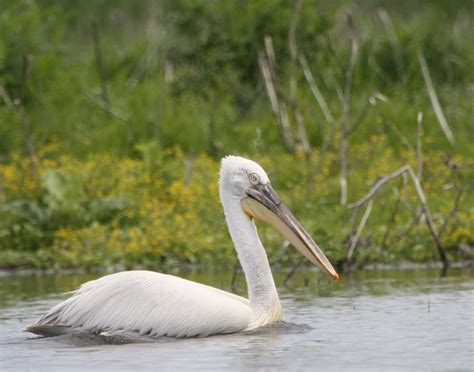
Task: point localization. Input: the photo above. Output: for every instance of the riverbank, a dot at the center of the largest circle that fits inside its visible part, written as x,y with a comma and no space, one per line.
465,265
164,211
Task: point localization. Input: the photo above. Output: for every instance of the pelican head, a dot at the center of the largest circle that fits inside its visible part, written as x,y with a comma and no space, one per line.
248,182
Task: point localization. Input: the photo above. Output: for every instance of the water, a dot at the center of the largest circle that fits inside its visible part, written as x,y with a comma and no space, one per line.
374,320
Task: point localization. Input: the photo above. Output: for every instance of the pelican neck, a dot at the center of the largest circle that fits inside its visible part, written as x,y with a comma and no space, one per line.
262,293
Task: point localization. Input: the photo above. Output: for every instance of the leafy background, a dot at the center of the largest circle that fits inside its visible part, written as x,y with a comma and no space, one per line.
115,162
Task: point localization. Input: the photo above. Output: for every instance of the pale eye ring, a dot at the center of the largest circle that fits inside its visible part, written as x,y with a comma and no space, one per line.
254,178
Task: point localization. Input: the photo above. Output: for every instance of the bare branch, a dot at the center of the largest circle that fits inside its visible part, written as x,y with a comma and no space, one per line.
315,90
293,47
393,38
107,108
429,218
459,193
278,107
452,212
417,219
377,185
328,140
7,100
302,135
99,62
421,197
301,131
334,56
337,87
270,52
346,113
434,99
148,60
355,238
371,102
404,140
265,68
419,134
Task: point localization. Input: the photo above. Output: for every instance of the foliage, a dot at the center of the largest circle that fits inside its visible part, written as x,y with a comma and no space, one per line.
131,179
186,73
111,211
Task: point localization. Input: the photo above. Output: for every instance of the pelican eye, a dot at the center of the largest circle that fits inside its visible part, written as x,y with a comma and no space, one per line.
254,178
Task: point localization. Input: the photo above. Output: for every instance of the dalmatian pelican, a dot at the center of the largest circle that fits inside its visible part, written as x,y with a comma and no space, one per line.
152,304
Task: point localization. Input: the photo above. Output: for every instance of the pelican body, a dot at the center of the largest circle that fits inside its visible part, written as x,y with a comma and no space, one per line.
152,304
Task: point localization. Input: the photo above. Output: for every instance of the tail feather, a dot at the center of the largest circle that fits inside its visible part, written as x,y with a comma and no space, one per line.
48,330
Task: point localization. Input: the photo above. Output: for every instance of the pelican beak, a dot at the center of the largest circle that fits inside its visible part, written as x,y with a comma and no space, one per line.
263,203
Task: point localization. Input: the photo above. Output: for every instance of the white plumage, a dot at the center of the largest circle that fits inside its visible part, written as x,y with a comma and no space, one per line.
150,304
155,305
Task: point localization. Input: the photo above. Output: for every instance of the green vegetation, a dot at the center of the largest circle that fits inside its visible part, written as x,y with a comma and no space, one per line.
114,115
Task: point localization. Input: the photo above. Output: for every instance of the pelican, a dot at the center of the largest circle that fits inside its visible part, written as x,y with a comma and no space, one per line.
152,304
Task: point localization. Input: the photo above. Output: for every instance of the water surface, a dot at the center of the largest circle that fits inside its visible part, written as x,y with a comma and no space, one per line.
373,320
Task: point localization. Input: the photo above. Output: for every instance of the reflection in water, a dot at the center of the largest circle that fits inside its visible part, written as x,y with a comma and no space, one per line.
375,319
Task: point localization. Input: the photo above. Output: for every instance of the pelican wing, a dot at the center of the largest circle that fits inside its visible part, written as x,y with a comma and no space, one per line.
148,303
